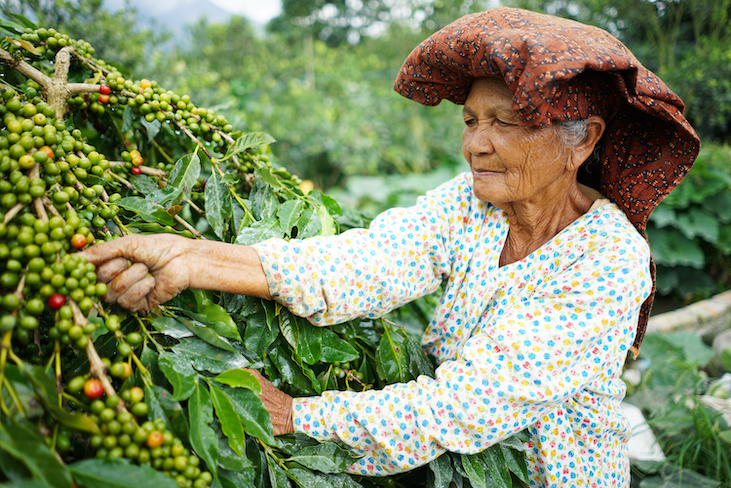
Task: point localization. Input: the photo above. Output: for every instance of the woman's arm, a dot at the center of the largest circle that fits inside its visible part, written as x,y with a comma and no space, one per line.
144,271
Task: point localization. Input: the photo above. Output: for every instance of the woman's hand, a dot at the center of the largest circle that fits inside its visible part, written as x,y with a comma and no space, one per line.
278,403
143,271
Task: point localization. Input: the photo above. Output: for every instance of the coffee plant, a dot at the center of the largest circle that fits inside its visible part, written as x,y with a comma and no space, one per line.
94,396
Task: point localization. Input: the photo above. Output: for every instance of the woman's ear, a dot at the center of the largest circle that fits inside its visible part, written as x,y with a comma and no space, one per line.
582,151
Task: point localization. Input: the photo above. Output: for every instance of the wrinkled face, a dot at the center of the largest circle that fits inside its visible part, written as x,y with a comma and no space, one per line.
510,163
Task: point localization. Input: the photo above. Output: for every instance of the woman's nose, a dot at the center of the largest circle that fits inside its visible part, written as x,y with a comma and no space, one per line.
479,140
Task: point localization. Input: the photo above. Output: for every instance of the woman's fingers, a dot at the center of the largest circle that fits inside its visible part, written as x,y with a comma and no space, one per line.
107,251
109,270
135,298
125,280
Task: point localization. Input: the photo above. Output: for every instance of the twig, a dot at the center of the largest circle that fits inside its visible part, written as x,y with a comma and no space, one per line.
13,212
189,227
194,207
122,180
50,207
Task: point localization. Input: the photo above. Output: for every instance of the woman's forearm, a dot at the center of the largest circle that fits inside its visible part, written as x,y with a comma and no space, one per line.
226,267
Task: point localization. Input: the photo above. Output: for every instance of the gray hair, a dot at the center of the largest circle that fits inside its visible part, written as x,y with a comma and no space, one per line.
571,133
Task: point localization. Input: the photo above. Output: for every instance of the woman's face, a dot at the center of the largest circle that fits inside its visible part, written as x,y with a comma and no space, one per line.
510,163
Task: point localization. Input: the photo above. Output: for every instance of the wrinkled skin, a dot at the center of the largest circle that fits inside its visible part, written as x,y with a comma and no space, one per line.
522,170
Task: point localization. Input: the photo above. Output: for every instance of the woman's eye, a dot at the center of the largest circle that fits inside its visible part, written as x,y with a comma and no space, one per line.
504,123
470,122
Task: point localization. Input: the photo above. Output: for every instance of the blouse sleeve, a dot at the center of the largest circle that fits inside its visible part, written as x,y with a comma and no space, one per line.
404,255
528,357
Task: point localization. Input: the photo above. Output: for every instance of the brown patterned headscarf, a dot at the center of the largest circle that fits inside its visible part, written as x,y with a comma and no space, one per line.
560,70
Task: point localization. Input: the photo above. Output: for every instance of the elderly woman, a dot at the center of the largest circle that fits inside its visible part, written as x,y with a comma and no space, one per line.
547,279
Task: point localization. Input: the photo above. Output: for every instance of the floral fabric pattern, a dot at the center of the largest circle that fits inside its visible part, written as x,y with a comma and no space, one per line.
537,344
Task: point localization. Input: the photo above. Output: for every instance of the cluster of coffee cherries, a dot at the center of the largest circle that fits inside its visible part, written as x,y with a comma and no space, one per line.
124,432
49,41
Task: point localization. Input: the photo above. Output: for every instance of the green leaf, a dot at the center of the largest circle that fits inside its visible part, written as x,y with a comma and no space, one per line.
289,213
218,319
205,333
725,436
152,128
251,140
202,437
25,445
698,223
171,327
147,210
167,197
204,357
292,373
127,118
515,461
163,406
277,476
334,349
391,360
183,385
239,378
260,332
185,173
663,216
441,469
497,468
307,479
218,205
259,231
265,175
231,424
327,222
254,416
671,248
144,185
309,224
118,473
327,457
475,471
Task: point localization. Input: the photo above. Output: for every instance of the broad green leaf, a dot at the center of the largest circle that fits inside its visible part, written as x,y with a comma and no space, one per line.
696,222
207,334
118,473
515,461
204,357
725,436
19,441
264,202
183,385
185,173
127,118
144,185
419,363
26,483
291,372
218,204
231,424
473,468
441,469
202,437
332,206
497,468
309,224
259,231
277,476
219,319
238,478
251,140
663,216
163,406
693,347
391,361
719,204
152,128
239,378
24,44
334,349
265,175
671,248
147,210
260,332
327,457
171,327
254,416
289,213
44,386
327,222
167,197
307,479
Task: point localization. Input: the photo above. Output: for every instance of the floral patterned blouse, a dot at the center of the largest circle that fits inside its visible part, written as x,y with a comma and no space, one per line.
539,343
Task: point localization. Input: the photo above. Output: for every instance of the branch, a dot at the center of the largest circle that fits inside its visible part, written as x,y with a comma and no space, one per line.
18,64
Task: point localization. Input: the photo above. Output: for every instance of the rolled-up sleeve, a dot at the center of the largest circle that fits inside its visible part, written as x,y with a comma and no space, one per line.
403,255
